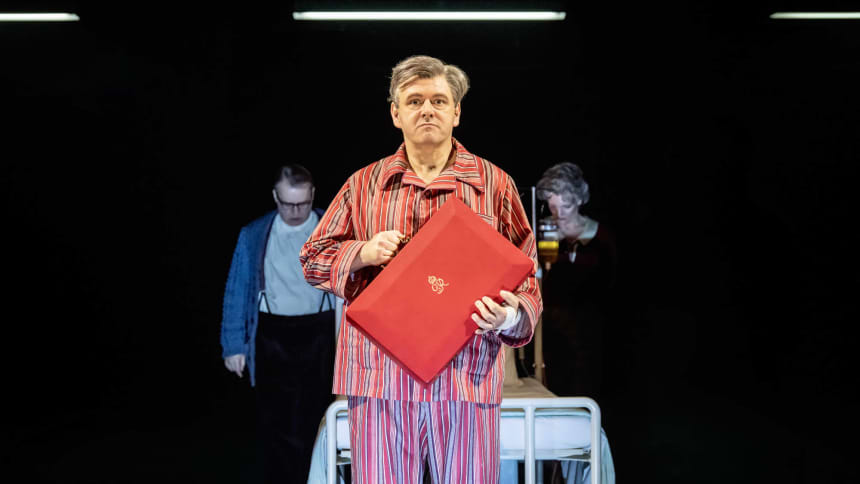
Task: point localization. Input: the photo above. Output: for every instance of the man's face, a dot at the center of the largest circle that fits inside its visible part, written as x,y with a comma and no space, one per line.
426,112
294,202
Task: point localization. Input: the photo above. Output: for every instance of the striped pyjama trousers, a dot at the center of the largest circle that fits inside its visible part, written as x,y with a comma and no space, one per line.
391,440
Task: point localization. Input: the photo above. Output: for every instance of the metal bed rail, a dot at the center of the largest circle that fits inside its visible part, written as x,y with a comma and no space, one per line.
531,407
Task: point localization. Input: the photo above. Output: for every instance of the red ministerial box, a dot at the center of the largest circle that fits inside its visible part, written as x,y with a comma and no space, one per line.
418,309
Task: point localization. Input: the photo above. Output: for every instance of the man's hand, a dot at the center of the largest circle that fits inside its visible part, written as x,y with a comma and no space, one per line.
491,315
380,249
235,363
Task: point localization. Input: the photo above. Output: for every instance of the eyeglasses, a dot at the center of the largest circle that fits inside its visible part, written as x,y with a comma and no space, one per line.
293,206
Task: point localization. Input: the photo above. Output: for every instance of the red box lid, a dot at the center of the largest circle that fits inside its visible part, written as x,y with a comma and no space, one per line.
418,309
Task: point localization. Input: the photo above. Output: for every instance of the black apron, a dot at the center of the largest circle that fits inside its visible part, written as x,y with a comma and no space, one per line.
294,367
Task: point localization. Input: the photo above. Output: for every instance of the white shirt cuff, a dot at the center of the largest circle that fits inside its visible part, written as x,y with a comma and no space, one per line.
512,319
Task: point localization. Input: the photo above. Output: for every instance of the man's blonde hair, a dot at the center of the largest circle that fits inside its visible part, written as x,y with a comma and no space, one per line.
426,67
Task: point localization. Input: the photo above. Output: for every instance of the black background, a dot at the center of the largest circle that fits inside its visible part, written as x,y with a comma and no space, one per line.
721,146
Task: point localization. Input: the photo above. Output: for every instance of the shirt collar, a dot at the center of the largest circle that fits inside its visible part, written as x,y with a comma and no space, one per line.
281,227
464,169
590,231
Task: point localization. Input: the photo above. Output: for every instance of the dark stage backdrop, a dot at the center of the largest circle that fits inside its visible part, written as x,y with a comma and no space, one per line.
721,146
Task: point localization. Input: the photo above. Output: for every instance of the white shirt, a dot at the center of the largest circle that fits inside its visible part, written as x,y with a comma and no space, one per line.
287,292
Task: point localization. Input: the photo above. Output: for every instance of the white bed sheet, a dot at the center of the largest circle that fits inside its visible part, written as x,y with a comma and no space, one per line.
559,433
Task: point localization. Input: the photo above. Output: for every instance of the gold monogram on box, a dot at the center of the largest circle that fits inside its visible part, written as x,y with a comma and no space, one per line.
437,284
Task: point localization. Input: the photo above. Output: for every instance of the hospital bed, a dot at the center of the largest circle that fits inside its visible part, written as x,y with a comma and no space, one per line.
535,425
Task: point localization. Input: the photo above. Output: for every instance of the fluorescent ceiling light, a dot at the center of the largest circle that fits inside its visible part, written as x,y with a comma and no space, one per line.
815,15
38,17
533,15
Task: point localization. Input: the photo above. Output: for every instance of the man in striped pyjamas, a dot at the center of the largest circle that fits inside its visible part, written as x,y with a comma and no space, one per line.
397,424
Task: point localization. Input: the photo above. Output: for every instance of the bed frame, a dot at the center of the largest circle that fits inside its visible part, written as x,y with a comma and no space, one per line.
529,408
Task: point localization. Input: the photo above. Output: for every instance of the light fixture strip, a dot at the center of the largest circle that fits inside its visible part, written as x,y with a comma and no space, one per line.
815,16
38,17
429,15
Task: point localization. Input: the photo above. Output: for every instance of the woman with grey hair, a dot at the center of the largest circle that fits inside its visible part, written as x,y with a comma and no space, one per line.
565,190
577,288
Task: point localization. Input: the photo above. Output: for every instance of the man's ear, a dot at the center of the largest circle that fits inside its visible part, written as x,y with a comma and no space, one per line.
275,195
395,116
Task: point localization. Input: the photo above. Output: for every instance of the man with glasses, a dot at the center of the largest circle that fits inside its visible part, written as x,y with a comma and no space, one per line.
280,327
